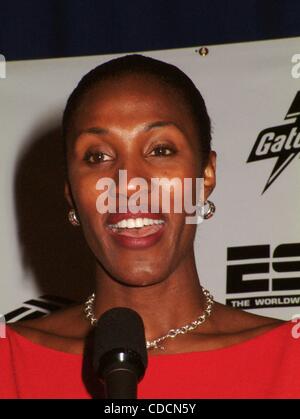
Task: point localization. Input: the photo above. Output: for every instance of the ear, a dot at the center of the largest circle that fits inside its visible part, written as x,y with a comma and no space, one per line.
68,194
209,175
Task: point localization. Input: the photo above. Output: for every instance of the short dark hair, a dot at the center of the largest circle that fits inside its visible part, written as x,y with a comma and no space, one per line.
163,72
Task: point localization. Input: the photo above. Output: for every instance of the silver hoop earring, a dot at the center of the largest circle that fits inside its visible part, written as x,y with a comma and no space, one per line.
72,216
209,209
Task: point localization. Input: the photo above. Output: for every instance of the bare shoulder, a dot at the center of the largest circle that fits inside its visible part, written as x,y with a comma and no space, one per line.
63,330
232,321
226,327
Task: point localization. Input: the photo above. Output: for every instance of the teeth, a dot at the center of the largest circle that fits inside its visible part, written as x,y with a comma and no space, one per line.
136,223
139,222
130,223
122,224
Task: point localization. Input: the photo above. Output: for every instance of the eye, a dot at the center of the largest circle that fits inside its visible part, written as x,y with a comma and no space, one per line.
162,150
95,157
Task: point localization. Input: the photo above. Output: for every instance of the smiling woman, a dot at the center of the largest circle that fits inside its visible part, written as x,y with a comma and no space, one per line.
147,118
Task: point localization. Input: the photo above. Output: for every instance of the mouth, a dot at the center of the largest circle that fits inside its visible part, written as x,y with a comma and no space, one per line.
136,232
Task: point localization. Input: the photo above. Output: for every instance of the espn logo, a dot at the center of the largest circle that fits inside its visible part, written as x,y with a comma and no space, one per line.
255,269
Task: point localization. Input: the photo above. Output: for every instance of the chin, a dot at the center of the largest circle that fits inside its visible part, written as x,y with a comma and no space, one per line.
139,279
140,269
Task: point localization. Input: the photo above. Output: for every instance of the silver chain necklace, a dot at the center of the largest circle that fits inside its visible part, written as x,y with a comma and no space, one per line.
172,333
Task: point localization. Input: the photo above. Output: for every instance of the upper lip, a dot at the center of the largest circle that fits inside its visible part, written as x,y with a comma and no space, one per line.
115,218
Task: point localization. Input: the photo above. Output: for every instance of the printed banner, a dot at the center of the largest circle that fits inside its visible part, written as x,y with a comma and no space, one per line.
248,254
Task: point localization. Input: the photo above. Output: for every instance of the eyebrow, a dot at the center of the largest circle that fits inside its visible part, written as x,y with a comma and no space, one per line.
93,130
159,124
103,131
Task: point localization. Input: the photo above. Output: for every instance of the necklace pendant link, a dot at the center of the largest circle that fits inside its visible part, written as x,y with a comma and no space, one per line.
172,333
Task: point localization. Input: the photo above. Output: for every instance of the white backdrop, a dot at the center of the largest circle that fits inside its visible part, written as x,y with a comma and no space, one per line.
248,88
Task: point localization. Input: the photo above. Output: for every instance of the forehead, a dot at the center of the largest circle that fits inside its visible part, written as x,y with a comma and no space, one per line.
132,99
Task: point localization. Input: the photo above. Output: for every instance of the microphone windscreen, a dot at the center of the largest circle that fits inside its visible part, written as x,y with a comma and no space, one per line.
120,328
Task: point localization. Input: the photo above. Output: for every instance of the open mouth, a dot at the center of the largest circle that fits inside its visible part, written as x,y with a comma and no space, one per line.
136,232
139,227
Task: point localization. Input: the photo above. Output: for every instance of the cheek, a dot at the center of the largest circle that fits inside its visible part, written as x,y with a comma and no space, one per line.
186,192
92,222
182,229
85,195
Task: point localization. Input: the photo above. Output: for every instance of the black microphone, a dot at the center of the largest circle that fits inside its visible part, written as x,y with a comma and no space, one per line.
120,355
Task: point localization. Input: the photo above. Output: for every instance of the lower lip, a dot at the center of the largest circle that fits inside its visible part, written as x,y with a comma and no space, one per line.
138,242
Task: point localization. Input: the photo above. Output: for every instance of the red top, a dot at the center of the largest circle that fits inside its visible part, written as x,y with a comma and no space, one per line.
266,366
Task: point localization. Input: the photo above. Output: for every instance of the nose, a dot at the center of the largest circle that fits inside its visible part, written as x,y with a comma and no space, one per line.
133,177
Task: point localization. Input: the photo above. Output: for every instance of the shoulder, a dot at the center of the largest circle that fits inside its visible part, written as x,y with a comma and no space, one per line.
283,336
229,326
64,330
230,320
65,322
235,329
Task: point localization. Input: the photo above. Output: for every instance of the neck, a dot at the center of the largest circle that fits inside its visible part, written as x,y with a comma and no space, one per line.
171,303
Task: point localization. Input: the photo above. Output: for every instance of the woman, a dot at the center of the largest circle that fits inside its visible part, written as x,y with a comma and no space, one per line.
146,117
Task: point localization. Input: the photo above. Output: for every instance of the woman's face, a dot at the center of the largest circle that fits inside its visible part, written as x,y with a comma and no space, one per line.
136,124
